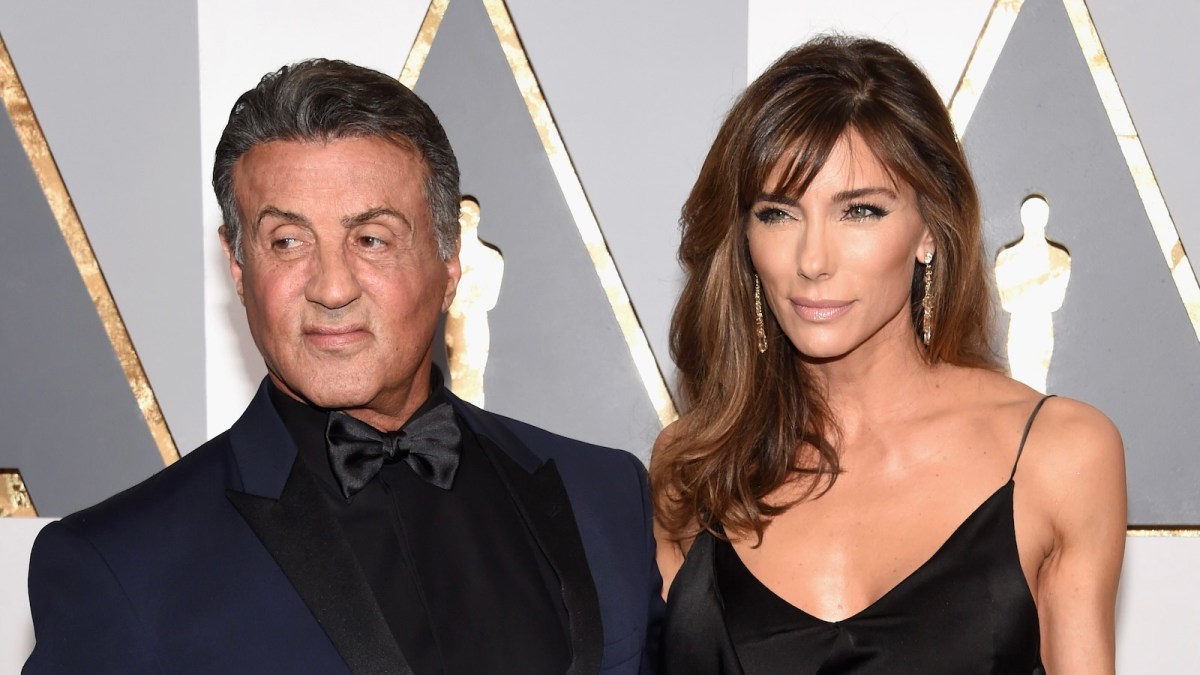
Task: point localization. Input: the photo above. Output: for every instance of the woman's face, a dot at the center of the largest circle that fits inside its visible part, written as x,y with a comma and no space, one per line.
836,263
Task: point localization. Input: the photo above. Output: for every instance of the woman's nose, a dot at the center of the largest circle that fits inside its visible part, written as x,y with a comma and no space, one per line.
814,257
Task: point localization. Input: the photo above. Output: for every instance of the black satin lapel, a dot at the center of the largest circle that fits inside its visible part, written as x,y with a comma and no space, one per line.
543,502
695,640
303,538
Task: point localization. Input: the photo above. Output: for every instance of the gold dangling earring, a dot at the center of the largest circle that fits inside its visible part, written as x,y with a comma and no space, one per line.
927,301
759,331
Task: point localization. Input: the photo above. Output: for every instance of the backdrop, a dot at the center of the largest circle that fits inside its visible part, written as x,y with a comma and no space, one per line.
580,127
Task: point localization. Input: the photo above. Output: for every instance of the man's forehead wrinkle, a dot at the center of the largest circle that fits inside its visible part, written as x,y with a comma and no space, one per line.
372,214
270,211
346,221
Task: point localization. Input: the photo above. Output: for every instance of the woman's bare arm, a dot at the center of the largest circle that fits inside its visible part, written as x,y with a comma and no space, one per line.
1081,481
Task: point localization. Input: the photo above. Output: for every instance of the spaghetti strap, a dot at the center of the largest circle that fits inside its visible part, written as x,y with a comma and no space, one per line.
1025,434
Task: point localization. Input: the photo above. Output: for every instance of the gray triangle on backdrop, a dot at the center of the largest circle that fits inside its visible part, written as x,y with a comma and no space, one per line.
71,424
557,357
636,143
130,160
1123,339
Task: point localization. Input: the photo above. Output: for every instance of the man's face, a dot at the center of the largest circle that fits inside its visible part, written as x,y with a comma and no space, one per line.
341,278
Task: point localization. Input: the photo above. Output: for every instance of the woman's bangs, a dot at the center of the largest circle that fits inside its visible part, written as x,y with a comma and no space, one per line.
800,144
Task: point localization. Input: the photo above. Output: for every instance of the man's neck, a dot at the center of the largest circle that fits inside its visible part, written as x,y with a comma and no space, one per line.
389,411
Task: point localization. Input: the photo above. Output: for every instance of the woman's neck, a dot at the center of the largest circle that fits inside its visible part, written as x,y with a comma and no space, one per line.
878,381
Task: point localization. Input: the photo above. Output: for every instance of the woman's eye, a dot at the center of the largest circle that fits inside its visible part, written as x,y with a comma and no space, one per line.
770,215
864,211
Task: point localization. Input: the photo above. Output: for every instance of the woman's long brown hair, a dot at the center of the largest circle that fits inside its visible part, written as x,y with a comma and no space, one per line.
754,422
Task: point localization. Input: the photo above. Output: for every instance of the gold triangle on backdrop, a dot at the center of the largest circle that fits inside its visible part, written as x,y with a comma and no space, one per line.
14,498
33,140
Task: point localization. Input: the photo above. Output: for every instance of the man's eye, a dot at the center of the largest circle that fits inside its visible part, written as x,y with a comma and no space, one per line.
370,242
284,243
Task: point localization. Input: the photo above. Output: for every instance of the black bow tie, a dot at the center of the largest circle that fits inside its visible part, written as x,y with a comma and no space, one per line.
428,443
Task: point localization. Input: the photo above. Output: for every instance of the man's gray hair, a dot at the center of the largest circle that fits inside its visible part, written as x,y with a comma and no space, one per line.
324,100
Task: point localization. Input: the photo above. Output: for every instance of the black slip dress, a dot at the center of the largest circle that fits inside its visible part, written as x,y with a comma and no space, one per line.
968,609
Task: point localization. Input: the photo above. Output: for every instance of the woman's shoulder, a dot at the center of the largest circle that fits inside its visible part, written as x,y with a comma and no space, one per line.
1074,444
1064,429
1057,436
1071,457
1068,464
1078,428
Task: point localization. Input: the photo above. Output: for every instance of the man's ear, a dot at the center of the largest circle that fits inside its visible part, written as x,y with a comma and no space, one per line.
235,267
453,274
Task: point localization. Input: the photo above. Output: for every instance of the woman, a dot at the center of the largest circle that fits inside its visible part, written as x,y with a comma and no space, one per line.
855,486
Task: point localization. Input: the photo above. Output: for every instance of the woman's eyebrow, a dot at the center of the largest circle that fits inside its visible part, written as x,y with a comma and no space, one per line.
858,193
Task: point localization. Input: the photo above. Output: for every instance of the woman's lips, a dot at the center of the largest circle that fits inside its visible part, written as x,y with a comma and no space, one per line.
819,311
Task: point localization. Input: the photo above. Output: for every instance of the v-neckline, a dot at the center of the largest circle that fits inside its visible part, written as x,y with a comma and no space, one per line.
905,581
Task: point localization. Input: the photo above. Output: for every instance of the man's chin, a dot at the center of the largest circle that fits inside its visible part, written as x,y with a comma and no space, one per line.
338,394
337,399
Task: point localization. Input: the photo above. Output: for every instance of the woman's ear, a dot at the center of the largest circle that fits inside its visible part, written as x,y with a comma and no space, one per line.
927,247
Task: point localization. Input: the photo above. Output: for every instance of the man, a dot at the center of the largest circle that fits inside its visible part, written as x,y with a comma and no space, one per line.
358,517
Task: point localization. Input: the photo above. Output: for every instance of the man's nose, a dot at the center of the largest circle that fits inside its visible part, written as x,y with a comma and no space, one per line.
333,284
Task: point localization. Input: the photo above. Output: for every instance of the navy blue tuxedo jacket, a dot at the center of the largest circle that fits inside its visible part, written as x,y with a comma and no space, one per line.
226,562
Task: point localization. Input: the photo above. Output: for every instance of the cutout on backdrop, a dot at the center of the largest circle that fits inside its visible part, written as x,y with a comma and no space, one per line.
1050,120
1032,276
468,339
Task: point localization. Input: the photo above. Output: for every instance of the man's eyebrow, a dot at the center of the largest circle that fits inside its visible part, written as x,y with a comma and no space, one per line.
273,212
858,193
373,214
